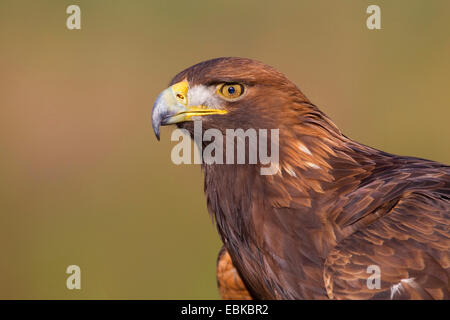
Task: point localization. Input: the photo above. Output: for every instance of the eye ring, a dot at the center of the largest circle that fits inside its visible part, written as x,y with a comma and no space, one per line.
231,91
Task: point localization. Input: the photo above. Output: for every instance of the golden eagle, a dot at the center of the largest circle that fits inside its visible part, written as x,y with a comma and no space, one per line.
334,211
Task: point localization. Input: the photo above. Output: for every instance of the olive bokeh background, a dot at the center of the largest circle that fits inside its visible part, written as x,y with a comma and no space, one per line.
83,179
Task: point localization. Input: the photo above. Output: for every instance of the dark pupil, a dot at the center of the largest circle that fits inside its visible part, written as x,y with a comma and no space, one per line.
231,90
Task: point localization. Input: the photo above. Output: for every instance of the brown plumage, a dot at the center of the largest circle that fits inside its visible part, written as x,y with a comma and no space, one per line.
229,282
334,208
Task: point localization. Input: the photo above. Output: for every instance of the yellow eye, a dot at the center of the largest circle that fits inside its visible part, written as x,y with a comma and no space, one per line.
231,91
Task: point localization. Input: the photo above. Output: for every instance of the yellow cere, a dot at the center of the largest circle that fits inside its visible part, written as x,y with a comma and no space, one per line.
180,91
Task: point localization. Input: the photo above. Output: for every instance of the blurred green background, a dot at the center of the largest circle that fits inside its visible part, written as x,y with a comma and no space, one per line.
83,179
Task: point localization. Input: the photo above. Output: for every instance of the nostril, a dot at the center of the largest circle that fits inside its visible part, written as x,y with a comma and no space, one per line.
180,96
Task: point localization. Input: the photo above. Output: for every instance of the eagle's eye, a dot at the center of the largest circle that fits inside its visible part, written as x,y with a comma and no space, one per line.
230,91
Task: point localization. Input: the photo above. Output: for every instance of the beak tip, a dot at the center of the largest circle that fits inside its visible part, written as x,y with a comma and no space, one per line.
156,118
156,129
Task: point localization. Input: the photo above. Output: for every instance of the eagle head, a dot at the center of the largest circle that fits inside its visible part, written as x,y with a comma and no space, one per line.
228,93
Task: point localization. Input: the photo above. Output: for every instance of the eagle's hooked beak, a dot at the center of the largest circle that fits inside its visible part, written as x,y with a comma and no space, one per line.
172,107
